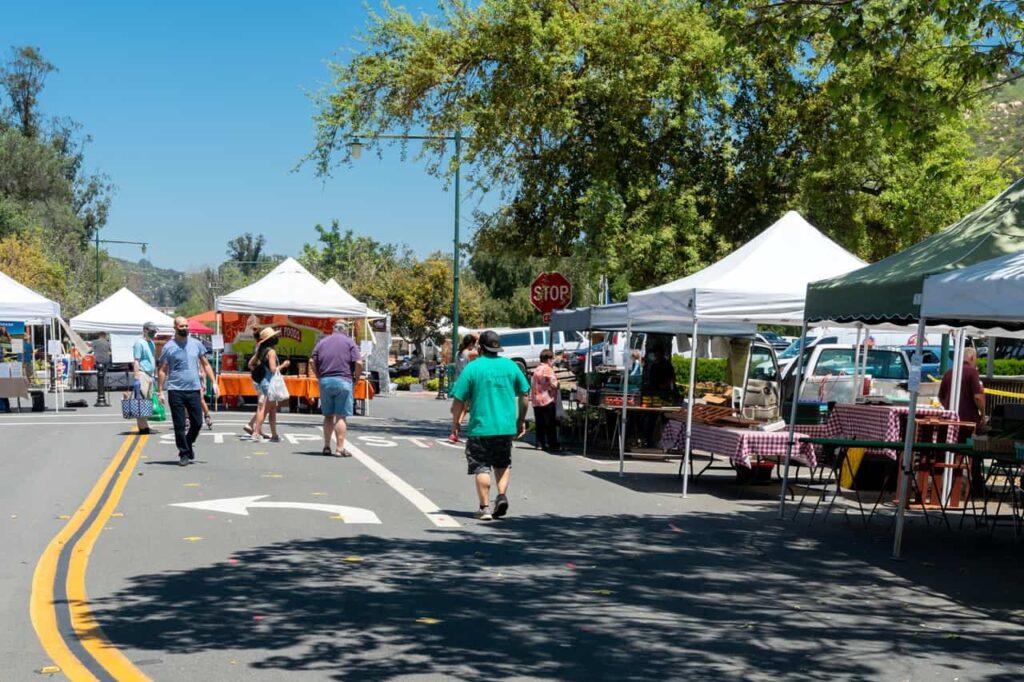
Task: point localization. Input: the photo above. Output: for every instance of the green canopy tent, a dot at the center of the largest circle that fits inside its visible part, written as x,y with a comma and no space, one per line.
890,292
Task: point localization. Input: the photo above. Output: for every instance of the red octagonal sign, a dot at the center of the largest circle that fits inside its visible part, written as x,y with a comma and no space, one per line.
550,291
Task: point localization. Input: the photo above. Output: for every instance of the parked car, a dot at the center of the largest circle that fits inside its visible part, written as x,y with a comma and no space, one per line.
829,369
777,342
523,346
930,359
578,358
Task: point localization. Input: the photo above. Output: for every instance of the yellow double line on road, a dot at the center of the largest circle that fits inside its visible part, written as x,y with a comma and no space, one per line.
59,604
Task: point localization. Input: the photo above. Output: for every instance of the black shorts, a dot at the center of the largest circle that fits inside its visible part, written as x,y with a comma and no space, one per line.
487,453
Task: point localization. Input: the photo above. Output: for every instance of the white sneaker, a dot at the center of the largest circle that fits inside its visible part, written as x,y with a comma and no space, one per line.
257,439
484,514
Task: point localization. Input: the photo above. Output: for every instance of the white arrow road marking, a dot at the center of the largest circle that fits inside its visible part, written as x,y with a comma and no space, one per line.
241,506
418,499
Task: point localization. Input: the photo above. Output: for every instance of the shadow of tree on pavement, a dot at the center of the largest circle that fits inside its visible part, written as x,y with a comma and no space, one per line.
597,597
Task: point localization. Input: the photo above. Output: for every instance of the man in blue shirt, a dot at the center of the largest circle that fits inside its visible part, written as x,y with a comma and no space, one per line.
180,363
144,366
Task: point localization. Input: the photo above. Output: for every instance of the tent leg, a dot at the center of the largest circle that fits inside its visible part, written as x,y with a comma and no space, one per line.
587,367
689,410
627,366
798,379
908,448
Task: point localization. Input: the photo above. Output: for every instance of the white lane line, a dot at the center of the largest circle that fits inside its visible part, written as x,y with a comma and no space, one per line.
53,423
418,499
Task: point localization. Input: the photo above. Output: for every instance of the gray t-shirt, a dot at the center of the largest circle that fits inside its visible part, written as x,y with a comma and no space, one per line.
182,360
101,351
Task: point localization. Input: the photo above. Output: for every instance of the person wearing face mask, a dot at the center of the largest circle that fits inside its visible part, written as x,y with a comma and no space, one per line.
144,366
181,361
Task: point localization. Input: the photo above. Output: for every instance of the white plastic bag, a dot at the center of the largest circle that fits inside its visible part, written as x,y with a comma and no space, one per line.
277,390
559,408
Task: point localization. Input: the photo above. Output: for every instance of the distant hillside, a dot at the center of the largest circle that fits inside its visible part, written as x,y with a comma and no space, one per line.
1003,136
160,287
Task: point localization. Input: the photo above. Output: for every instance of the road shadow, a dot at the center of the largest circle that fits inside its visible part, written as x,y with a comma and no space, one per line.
618,597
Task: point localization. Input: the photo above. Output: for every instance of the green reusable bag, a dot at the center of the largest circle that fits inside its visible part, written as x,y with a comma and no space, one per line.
159,413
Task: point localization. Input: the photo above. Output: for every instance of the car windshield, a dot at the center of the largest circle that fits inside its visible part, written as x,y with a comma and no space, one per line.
881,364
793,349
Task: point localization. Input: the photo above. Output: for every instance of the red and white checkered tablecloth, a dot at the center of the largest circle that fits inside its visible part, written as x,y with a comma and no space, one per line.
742,446
879,422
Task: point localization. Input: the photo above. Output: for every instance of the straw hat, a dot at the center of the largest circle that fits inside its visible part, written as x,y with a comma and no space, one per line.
267,333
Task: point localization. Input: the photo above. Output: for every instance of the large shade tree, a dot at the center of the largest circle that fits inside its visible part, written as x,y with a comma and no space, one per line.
649,137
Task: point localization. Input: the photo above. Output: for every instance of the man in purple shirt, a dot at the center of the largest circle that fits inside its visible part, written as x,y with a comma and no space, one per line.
336,363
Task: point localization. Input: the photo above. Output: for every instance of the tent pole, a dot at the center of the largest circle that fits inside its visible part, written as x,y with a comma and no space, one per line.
861,340
587,365
908,449
689,409
797,386
947,478
57,384
443,374
627,361
746,377
859,389
991,358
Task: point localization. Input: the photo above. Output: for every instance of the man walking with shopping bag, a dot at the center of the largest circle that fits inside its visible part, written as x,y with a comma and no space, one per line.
144,365
180,363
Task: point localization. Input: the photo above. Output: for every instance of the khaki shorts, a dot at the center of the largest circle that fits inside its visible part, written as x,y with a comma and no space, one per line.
145,383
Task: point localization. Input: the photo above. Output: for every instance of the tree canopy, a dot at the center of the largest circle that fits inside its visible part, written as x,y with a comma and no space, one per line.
650,137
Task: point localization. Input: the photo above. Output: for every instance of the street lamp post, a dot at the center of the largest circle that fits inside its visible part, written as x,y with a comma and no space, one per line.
356,149
99,241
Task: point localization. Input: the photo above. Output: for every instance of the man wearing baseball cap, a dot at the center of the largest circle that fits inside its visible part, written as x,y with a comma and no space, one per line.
144,365
494,390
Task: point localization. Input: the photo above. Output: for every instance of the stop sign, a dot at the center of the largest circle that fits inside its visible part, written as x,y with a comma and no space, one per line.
550,291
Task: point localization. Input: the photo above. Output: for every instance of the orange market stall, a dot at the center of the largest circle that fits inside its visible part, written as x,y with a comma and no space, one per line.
295,303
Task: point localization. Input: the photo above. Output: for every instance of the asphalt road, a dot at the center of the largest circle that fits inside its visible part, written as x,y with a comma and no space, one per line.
372,567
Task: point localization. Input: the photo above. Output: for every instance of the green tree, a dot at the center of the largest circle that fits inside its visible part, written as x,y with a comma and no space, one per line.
418,295
22,77
650,137
247,252
354,261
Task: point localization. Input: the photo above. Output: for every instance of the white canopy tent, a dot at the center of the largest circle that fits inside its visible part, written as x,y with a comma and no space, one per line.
762,282
121,313
20,304
989,295
290,289
346,298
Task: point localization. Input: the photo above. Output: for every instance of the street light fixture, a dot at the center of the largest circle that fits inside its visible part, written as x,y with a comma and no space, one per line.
355,147
99,241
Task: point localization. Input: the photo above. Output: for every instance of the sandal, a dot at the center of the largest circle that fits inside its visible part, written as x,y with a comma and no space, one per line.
247,429
326,452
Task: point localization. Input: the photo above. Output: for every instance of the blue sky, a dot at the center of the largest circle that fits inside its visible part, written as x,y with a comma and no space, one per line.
198,113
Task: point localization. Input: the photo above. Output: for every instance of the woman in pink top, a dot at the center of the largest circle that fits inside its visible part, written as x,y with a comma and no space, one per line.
543,394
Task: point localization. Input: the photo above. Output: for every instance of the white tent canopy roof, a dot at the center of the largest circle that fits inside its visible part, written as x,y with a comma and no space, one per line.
289,289
762,282
989,295
343,296
612,317
121,313
18,303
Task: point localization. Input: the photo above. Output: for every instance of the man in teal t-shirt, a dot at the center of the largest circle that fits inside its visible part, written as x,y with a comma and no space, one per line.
494,391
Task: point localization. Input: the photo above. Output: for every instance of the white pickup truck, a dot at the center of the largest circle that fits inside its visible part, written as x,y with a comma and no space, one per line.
828,372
